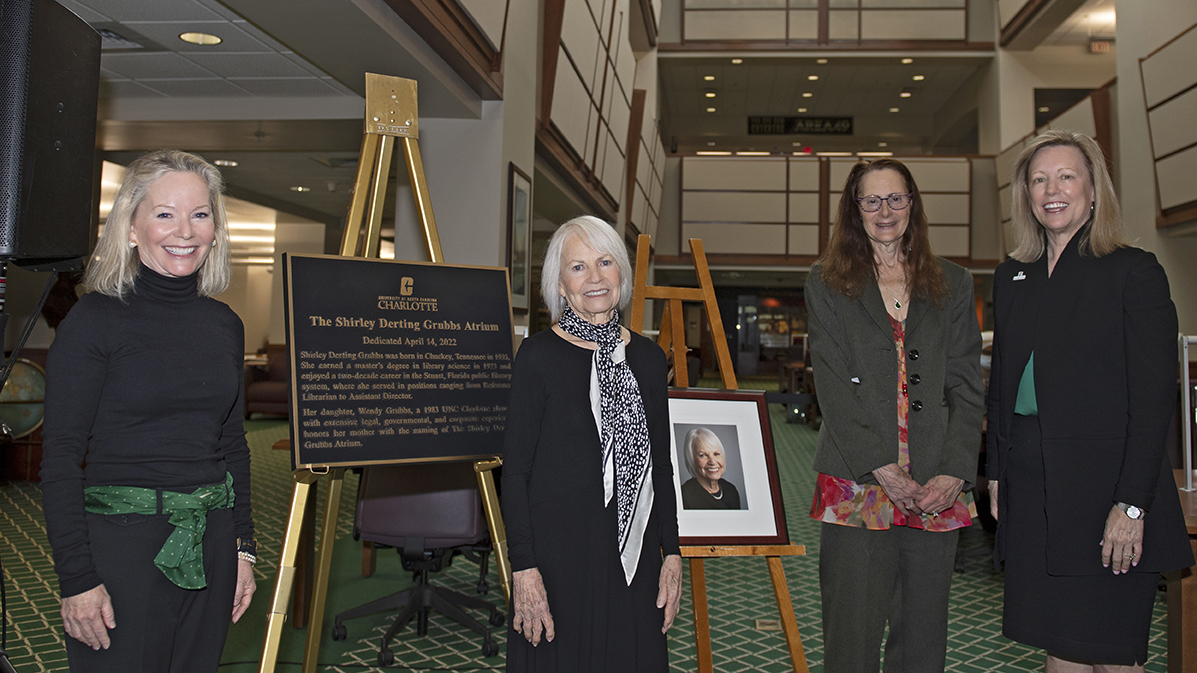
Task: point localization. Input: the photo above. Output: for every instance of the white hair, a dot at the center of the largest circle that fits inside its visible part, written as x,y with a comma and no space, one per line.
699,437
598,235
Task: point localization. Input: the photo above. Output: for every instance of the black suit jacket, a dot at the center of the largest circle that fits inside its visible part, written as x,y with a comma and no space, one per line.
1104,333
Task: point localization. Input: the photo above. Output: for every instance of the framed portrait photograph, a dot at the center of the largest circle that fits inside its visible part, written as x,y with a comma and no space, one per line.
519,229
724,470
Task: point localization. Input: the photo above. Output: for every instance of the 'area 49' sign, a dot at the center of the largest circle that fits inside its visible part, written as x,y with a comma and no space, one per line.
778,126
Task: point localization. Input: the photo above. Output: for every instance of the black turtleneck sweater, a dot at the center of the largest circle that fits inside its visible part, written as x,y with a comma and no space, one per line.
146,392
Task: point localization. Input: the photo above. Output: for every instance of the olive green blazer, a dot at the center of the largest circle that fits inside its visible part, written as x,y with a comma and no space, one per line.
856,381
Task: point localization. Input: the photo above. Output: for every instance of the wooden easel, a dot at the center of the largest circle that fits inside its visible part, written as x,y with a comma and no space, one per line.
390,113
673,340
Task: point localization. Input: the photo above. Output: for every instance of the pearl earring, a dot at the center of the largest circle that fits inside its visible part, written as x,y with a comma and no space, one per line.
132,244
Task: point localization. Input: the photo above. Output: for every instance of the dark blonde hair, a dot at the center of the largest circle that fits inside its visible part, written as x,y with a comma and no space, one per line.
847,265
1103,236
115,264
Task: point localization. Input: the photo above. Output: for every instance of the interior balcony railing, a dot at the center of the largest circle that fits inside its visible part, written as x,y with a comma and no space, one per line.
834,24
780,210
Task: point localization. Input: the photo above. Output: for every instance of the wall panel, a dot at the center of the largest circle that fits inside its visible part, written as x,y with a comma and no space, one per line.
733,207
739,239
734,174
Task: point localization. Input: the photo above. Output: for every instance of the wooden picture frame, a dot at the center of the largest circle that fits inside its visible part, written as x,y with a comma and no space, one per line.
519,233
739,420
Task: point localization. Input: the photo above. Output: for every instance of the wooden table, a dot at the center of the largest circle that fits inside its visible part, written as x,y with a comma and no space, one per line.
1182,595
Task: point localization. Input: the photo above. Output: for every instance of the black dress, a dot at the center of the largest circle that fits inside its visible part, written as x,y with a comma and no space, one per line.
694,496
556,521
148,393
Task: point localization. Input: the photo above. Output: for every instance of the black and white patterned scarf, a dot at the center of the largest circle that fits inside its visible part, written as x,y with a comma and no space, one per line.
623,432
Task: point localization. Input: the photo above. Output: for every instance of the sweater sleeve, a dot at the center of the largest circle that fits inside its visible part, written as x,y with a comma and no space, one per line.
233,447
1150,329
76,367
664,496
525,412
962,385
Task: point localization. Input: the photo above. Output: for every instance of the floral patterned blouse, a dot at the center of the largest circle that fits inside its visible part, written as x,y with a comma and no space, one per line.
847,503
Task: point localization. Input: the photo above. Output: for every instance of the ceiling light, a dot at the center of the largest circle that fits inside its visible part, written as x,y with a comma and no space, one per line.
882,144
1045,109
709,78
907,61
253,260
301,189
737,61
226,162
812,77
874,154
904,94
802,109
241,238
821,61
710,109
710,94
833,154
752,154
918,78
807,94
709,153
710,143
203,39
893,109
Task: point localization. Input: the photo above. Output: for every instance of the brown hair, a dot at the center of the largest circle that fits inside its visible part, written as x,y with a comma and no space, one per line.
847,265
1104,234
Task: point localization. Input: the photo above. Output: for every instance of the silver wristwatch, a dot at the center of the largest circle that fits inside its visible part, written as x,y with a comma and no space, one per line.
1131,511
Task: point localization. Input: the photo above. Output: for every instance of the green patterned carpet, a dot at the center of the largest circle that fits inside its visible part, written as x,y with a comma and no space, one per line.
739,590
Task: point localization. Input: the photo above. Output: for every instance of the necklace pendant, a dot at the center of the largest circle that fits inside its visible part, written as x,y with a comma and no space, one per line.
897,305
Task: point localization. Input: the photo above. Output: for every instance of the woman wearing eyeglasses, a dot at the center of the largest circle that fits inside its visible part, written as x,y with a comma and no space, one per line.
896,351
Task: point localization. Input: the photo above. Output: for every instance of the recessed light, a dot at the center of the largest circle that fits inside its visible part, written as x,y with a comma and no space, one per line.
907,61
710,94
710,109
203,39
812,77
737,61
802,109
882,144
904,94
709,78
710,143
821,61
703,153
225,162
301,189
807,94
893,109
1045,109
918,78
833,154
752,154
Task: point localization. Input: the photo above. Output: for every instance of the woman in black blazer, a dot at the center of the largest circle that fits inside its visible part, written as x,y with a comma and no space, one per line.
896,351
1081,394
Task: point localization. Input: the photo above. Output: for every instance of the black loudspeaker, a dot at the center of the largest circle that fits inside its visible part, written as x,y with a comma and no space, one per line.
49,87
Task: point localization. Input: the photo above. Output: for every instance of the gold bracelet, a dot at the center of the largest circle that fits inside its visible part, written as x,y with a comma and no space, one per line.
246,556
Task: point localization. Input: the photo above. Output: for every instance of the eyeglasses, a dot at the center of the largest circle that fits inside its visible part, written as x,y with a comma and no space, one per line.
871,204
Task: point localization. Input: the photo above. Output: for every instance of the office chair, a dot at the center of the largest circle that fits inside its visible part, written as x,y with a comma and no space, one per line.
428,513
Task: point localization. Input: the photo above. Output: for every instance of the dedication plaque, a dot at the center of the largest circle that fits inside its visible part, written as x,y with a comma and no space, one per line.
396,361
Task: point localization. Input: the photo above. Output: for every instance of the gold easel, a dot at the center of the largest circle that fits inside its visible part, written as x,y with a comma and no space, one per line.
673,340
390,113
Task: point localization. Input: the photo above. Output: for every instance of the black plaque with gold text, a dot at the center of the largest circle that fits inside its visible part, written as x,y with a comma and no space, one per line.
396,361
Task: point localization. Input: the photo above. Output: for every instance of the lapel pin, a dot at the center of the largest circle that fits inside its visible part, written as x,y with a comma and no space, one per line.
1020,276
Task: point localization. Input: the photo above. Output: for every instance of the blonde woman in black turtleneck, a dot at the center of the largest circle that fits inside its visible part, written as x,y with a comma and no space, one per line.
145,472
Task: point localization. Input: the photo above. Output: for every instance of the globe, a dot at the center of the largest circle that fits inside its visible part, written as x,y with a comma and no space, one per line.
21,400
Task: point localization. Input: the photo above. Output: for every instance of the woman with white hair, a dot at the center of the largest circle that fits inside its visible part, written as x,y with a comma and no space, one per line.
706,460
145,471
588,495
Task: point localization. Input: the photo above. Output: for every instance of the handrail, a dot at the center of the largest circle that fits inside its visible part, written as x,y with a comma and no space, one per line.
1186,430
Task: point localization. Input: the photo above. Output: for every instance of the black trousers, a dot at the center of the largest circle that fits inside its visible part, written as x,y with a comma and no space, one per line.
868,577
160,628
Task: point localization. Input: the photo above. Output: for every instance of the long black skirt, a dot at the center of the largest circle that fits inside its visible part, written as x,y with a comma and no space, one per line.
1103,618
